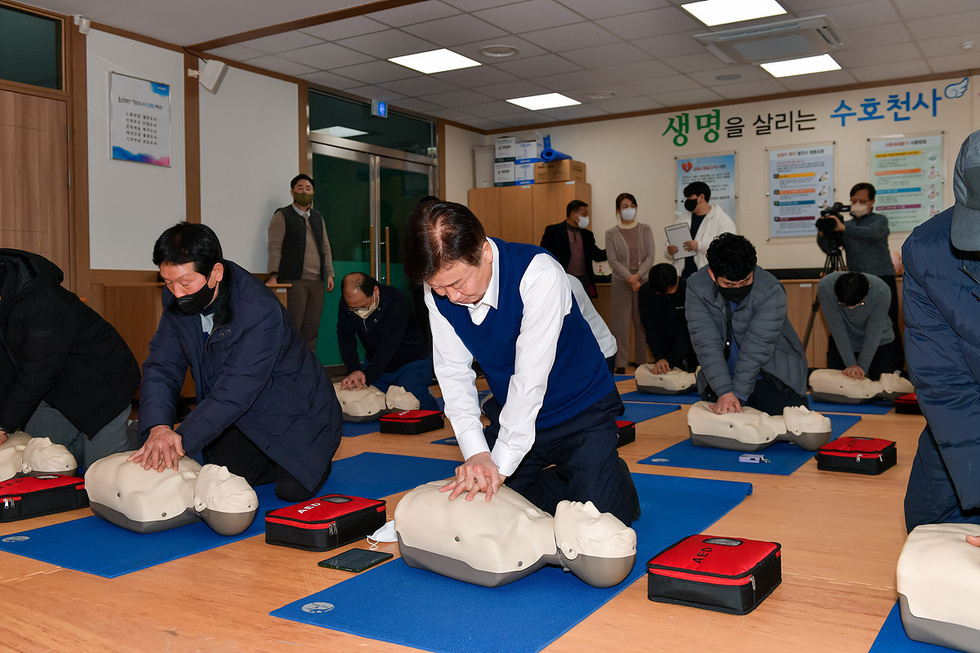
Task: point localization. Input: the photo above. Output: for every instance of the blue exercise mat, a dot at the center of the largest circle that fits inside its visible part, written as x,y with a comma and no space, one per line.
690,398
873,408
351,429
549,154
622,377
451,440
784,458
892,638
398,604
640,412
95,546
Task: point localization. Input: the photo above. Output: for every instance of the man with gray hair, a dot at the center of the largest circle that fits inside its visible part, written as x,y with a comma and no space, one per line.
942,310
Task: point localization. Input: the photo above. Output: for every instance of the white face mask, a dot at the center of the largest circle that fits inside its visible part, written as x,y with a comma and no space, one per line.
364,312
583,221
628,214
859,209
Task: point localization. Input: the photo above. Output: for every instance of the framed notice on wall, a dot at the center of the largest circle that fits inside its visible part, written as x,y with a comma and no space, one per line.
908,176
718,171
801,184
139,120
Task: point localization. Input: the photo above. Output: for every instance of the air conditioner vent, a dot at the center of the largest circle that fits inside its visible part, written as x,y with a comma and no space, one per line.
790,39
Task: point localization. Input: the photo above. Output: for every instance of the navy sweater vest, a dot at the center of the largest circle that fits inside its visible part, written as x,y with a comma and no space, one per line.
579,376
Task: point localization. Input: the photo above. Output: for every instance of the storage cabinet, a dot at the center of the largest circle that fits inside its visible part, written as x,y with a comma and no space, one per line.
520,213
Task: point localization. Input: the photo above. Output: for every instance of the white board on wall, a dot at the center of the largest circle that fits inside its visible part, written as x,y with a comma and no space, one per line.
249,153
130,204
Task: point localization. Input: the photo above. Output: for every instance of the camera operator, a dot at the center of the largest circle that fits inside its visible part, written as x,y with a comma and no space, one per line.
865,240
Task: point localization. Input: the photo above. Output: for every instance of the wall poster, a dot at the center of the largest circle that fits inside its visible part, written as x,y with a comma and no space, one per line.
801,184
718,171
907,173
139,119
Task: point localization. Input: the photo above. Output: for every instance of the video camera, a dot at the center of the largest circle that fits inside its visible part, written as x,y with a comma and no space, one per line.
826,223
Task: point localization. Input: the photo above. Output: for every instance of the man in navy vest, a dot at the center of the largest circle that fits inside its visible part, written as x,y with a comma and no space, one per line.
510,307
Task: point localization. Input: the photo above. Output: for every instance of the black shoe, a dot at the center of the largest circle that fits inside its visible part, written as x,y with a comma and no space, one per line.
634,365
620,370
629,486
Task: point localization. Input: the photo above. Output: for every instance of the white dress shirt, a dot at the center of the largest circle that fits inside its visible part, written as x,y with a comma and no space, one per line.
605,338
547,298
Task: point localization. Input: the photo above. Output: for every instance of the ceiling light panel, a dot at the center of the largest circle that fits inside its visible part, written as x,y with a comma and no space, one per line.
804,66
546,101
721,12
435,61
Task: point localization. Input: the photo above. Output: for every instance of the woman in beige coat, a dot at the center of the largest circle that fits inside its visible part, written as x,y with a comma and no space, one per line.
631,251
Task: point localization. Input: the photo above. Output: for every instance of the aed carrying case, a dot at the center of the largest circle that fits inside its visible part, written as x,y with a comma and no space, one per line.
33,496
626,432
325,522
857,455
908,405
411,422
716,573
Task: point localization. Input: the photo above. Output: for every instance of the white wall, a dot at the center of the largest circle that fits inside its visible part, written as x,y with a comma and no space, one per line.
633,155
459,163
130,204
249,152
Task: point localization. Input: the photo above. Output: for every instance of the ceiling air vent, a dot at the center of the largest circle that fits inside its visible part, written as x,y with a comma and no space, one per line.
789,39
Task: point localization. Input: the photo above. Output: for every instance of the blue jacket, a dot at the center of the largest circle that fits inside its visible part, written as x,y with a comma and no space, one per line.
942,344
254,372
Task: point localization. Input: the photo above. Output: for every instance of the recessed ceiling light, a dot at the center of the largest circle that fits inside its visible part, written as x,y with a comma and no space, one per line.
600,95
819,64
728,77
499,51
719,12
546,101
434,61
339,131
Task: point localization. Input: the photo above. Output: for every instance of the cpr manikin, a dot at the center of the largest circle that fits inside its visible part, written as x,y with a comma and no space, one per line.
368,403
147,501
674,382
752,430
834,386
938,582
492,543
23,455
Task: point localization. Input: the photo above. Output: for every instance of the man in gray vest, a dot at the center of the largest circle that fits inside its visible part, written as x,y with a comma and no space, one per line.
299,254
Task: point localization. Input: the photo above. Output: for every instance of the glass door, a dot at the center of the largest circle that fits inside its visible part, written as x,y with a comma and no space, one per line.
366,199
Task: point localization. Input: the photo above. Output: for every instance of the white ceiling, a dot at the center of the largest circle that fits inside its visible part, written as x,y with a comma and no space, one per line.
643,50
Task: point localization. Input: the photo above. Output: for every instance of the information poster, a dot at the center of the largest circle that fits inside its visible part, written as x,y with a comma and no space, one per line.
716,171
801,184
139,120
908,178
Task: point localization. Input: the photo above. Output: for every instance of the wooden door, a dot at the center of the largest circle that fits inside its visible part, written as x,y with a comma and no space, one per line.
34,178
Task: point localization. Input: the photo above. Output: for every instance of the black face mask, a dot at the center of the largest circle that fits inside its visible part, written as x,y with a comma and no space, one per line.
195,302
735,294
690,205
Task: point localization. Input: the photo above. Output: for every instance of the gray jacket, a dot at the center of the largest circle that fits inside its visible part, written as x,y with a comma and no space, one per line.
767,341
861,329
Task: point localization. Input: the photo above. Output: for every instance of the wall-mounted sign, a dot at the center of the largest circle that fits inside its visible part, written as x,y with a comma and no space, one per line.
908,178
139,120
801,184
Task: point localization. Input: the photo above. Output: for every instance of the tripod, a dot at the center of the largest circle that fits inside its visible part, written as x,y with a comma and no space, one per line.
835,261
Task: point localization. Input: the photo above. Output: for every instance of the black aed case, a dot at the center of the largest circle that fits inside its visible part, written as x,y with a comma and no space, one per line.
412,422
857,455
716,573
325,522
626,432
33,496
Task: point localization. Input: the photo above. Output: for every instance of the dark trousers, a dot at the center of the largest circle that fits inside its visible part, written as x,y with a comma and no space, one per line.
770,396
931,497
575,460
887,359
235,451
893,315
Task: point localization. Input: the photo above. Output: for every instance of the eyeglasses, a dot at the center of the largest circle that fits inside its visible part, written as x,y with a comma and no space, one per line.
854,306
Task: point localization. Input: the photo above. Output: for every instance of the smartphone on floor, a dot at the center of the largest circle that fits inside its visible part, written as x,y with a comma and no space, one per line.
355,560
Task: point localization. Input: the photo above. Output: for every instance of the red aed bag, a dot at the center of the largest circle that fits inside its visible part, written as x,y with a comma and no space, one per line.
908,405
325,522
33,496
716,573
412,422
857,455
626,432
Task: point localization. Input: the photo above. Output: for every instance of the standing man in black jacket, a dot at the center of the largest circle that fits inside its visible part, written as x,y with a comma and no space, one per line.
395,351
65,373
574,245
299,254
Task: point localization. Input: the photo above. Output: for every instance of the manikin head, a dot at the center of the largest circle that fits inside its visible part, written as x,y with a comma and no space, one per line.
22,454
